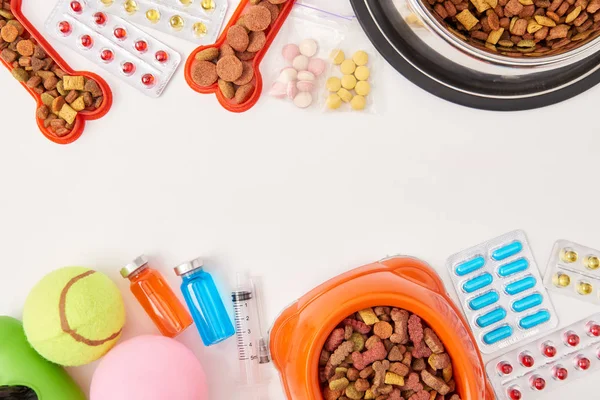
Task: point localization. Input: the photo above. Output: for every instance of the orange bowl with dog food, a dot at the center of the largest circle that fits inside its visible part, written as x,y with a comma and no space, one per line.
301,331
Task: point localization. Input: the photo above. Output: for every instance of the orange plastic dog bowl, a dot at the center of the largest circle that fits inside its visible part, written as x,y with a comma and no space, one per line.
299,333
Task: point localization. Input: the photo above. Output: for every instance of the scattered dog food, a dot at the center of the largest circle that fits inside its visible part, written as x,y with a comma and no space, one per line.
62,96
355,77
385,353
520,28
233,60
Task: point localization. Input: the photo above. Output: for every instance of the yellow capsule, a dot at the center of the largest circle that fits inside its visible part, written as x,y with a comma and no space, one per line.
153,15
177,22
584,288
592,262
561,280
568,255
107,2
131,6
200,29
208,5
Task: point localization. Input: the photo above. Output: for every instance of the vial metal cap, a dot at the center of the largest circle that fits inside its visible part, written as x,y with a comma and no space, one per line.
189,266
133,266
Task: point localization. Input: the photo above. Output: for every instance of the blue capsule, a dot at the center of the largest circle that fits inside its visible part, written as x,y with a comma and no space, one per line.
533,320
469,266
484,300
527,302
521,285
478,282
491,318
507,251
513,267
498,334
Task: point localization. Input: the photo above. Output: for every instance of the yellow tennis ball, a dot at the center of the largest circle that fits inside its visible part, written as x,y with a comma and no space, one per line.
73,316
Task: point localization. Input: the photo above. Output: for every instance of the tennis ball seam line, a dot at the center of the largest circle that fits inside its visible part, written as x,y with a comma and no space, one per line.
64,323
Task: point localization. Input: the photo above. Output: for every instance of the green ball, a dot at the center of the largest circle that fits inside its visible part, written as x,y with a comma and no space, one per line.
73,316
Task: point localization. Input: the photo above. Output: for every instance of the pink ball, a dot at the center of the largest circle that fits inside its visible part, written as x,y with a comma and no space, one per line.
290,51
316,66
278,90
149,368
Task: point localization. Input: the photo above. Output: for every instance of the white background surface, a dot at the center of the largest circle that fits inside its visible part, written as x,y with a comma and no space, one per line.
296,197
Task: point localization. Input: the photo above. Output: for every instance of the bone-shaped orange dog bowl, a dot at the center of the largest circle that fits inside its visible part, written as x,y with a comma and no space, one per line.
300,332
82,116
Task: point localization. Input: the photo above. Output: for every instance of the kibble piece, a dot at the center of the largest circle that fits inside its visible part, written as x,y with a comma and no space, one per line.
368,315
545,21
227,89
78,104
439,361
72,96
418,364
9,33
399,369
67,113
50,82
435,383
37,64
467,19
34,81
43,111
339,384
208,54
47,99
247,74
57,104
382,329
90,86
229,68
74,82
20,74
25,48
204,73
8,56
494,36
257,18
357,338
480,5
273,9
88,100
242,94
257,41
238,38
393,379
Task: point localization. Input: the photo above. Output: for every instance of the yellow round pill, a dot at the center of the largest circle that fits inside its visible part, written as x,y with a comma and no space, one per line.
584,288
345,95
348,67
200,29
362,88
153,15
592,262
360,58
362,73
358,102
337,56
561,280
568,255
348,82
177,22
334,101
334,84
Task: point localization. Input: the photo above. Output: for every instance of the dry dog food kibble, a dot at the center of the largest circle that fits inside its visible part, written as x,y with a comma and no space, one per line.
62,96
385,353
521,27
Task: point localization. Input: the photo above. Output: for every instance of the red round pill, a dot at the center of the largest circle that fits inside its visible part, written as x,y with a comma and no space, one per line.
148,79
141,46
86,41
594,329
549,350
538,383
120,33
572,339
560,373
100,18
107,55
128,68
64,27
161,56
526,360
505,368
514,394
582,363
76,6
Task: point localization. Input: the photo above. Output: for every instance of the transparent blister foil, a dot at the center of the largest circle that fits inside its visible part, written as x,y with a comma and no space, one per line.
501,292
198,21
305,23
114,44
556,359
574,270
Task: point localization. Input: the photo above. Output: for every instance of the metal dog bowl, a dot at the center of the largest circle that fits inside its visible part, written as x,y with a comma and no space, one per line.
424,51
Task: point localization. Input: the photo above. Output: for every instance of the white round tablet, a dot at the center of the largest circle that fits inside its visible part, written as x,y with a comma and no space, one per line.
303,99
300,62
306,76
287,75
308,47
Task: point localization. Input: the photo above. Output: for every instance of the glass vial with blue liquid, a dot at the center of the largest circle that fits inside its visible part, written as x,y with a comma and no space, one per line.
205,303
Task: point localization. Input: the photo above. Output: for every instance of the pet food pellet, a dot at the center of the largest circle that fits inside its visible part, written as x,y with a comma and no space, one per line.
243,93
208,54
305,86
360,58
584,288
290,52
348,82
78,104
204,73
334,84
244,55
348,67
363,88
20,74
257,41
362,73
337,57
358,103
247,74
334,101
226,89
306,76
257,18
9,33
238,38
287,75
316,66
229,68
308,47
73,82
303,100
345,95
300,62
25,48
67,113
273,9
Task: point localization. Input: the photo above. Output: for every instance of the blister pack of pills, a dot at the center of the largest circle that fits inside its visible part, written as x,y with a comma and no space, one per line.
501,292
556,359
574,270
198,21
114,44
